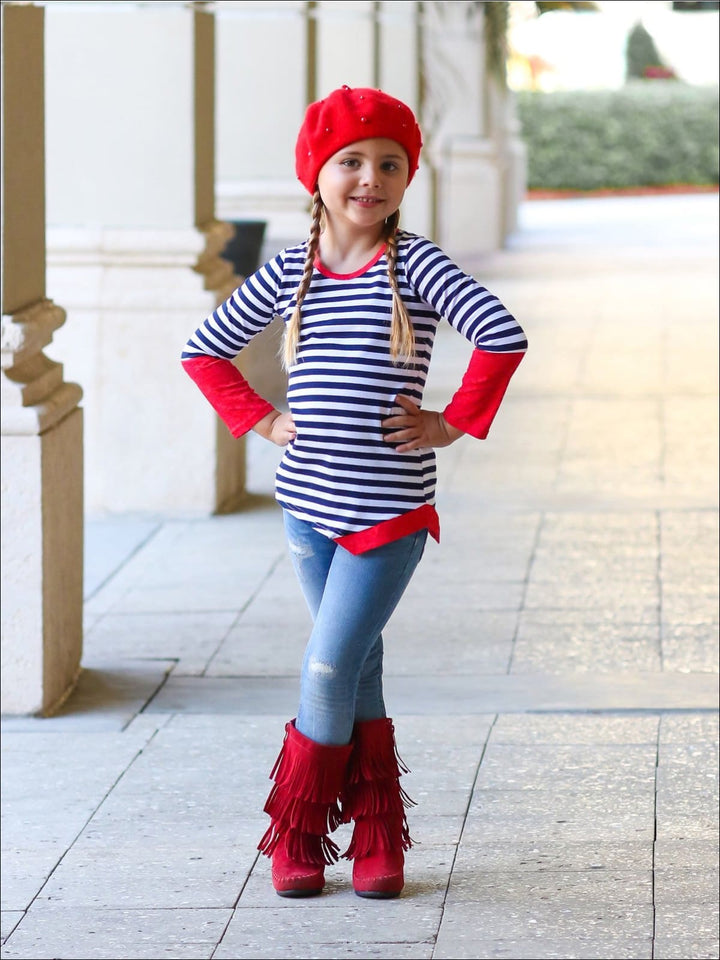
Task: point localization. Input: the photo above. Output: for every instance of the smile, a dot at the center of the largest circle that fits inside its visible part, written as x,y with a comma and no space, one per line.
367,201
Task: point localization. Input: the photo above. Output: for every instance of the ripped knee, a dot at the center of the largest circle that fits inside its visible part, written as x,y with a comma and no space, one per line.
301,551
321,669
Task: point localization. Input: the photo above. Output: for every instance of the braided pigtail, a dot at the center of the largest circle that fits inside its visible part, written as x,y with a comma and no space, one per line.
402,335
292,329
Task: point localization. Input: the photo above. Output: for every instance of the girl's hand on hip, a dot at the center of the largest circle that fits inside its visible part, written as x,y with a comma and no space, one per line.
418,428
277,427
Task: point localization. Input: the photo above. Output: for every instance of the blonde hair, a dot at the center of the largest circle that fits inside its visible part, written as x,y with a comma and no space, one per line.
402,335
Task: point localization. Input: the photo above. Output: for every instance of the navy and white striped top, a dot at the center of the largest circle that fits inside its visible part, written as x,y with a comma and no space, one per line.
339,474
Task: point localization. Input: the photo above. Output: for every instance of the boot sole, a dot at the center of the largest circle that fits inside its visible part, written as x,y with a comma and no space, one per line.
296,894
377,894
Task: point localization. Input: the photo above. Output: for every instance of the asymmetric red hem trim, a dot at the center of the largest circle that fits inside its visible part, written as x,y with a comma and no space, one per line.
424,517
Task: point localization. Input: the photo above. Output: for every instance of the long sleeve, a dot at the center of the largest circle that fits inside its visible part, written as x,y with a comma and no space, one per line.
499,340
208,354
462,301
474,405
227,390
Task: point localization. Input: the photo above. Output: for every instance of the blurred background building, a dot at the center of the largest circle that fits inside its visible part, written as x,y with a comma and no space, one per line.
584,46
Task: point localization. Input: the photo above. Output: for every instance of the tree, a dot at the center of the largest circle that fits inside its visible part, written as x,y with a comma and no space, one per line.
642,58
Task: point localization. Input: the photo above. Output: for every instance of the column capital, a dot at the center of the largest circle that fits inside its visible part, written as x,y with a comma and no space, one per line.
34,394
217,273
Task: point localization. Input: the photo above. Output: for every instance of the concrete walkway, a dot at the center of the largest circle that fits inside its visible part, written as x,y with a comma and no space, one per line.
552,670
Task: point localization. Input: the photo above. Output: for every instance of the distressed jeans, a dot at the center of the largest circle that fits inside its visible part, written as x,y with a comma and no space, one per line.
351,598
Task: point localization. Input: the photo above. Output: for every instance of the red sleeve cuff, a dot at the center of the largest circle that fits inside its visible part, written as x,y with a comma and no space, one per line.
483,387
231,396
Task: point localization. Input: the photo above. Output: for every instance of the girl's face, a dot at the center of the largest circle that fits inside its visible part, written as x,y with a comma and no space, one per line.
364,183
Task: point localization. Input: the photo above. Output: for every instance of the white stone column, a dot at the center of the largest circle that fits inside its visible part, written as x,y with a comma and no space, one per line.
133,247
265,64
346,49
512,150
400,75
42,439
476,186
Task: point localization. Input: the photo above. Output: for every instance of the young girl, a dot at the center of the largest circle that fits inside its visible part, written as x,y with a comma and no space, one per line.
361,301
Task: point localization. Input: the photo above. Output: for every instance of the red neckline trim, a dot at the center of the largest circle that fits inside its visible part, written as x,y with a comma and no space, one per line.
349,276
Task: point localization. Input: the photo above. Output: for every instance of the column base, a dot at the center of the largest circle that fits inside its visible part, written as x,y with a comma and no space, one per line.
42,548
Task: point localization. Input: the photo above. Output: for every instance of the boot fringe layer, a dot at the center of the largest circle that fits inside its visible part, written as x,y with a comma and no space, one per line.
374,799
375,755
299,814
372,835
301,847
302,768
372,796
303,802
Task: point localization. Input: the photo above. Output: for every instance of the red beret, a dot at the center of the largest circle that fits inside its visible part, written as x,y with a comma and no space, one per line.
346,116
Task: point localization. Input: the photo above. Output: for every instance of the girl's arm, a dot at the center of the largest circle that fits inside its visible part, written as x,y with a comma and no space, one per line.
474,405
208,354
231,396
477,314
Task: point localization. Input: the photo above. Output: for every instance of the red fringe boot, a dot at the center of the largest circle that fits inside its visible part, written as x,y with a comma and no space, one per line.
303,807
374,799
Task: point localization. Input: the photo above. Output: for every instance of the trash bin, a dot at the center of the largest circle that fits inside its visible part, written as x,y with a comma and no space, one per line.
244,249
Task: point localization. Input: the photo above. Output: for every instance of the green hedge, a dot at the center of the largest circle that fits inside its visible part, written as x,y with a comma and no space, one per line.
646,133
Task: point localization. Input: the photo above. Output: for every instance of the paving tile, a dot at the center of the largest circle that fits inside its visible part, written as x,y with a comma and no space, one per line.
571,728
550,949
688,801
560,815
189,640
565,803
262,644
192,880
423,731
541,855
109,543
537,930
81,933
669,948
699,885
249,696
546,827
673,854
546,766
522,887
688,827
687,921
693,647
586,646
52,786
638,600
9,919
482,644
399,928
436,803
692,728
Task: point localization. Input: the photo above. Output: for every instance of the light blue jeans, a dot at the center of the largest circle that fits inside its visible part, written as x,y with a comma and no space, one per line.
351,598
